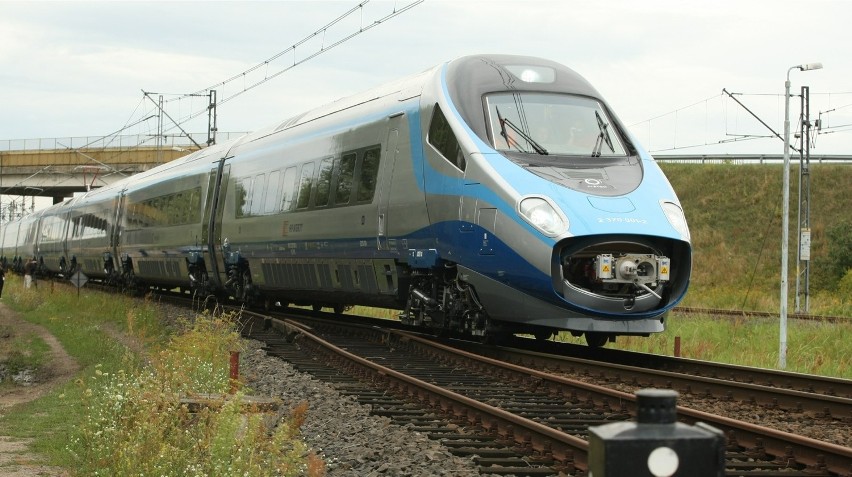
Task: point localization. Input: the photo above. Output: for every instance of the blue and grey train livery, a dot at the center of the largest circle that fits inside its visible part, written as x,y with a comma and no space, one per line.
490,195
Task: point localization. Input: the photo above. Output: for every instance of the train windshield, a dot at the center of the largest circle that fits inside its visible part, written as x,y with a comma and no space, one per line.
551,123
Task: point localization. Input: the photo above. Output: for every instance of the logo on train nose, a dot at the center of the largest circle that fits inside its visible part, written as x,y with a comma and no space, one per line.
590,183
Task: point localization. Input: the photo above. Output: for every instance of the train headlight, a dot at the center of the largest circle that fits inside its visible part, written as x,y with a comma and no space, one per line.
539,212
675,215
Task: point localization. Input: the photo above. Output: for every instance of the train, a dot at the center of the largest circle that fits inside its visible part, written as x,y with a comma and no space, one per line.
489,195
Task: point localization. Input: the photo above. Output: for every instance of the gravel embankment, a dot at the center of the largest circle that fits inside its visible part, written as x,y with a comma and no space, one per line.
354,443
342,431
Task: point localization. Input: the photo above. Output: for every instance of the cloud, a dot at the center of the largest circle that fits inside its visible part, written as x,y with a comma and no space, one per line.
78,68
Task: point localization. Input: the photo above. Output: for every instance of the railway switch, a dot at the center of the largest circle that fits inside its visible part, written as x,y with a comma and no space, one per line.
656,445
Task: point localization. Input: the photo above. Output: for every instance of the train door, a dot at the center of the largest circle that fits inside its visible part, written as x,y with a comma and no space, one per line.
386,182
211,228
118,224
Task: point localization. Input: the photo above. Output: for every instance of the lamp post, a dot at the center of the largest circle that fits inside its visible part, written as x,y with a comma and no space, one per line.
785,214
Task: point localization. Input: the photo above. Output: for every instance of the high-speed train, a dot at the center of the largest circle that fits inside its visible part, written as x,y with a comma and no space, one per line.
489,195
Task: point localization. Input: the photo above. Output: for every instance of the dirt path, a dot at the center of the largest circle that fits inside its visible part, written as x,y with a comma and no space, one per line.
15,458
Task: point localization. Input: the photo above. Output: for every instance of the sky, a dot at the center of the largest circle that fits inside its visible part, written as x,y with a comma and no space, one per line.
79,69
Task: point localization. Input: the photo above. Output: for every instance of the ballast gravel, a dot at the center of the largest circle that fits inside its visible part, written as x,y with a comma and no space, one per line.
342,431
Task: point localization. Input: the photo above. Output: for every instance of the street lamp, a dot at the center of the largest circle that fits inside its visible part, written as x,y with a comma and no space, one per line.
785,214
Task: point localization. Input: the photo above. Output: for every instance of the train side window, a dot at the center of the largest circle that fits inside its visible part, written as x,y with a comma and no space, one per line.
157,211
324,182
258,188
346,171
241,193
305,184
196,204
174,213
369,175
272,188
288,188
441,137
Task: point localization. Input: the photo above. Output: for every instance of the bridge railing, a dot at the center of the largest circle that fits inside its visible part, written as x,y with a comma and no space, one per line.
100,142
750,159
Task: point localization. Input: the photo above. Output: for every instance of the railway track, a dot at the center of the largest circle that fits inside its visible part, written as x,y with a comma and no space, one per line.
756,314
822,396
516,419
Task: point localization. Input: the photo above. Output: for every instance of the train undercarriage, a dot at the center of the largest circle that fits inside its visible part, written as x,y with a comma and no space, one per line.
442,302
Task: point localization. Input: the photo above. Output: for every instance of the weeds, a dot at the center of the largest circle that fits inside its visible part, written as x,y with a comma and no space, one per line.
136,425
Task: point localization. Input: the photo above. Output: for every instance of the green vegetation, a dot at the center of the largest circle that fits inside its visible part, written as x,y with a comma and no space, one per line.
734,214
136,425
122,414
83,326
813,347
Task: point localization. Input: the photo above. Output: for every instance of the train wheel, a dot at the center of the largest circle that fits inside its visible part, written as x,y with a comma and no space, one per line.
596,340
339,309
543,335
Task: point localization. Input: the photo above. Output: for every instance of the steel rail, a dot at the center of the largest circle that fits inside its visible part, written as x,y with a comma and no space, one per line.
761,314
569,451
682,380
812,453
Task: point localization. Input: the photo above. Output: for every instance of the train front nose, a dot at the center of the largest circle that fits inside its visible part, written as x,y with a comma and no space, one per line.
622,274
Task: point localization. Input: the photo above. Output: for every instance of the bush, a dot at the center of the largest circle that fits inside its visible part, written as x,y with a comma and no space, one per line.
836,264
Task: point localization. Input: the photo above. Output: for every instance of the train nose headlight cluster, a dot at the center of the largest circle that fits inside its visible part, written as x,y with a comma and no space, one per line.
675,215
539,212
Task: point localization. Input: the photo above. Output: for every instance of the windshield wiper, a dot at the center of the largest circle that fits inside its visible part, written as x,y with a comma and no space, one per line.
512,142
602,137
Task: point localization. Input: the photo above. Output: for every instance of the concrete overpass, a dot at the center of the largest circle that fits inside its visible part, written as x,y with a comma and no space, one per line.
61,173
59,167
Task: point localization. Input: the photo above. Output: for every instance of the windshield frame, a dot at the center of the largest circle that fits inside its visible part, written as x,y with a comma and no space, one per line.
557,123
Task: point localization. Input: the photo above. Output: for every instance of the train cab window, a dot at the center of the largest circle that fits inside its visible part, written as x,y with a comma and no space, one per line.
369,175
306,182
324,182
552,124
288,188
272,189
345,168
441,137
258,188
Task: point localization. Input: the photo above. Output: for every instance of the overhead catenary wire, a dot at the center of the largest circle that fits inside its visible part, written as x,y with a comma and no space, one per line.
177,124
250,82
292,49
672,124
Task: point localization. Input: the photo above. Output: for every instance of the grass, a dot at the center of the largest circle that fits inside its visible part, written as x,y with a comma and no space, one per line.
136,425
813,347
734,215
80,324
21,351
121,415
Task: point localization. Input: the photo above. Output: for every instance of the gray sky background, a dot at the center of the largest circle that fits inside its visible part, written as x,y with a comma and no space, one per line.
78,68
